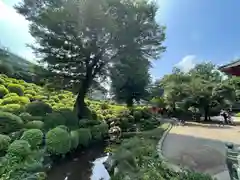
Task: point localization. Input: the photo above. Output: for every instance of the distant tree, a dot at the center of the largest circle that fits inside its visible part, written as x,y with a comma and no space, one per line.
78,40
6,68
130,79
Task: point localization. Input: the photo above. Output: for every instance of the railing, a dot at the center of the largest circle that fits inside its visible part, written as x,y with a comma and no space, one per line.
233,161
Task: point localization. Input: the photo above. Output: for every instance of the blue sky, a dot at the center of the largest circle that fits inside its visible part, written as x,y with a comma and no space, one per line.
197,30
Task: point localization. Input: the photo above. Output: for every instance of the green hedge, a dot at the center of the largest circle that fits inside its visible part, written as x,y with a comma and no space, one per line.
34,125
74,139
34,137
19,148
3,91
16,88
38,108
4,142
58,141
9,122
85,136
21,100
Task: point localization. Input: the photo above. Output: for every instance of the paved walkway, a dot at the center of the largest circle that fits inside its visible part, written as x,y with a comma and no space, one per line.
201,147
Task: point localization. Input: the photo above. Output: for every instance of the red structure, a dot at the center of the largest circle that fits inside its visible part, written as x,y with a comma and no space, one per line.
231,68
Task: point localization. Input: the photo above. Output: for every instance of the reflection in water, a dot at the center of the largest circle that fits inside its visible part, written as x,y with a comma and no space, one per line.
99,171
81,166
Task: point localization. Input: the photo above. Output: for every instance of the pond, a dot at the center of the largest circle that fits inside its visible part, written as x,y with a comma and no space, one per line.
85,165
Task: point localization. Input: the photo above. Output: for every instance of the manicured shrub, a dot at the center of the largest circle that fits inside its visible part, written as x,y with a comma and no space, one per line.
20,148
34,125
137,115
9,122
31,92
53,120
16,100
85,123
63,127
71,119
4,142
74,139
58,141
10,95
16,135
38,108
33,136
3,91
96,132
16,88
85,136
103,127
2,81
26,117
12,108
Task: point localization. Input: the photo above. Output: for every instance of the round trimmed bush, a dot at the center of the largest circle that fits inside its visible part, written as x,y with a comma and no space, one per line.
31,92
58,141
4,142
85,136
53,120
16,88
74,139
20,148
96,132
10,95
38,108
12,108
9,122
26,117
16,100
33,136
70,117
3,91
34,125
2,81
63,127
103,129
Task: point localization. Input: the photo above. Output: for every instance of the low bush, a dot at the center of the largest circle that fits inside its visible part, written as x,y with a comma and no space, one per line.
85,136
38,108
86,123
96,132
10,95
4,142
137,115
21,100
16,88
12,108
19,148
63,127
53,120
34,125
26,117
2,81
71,119
34,137
3,91
74,139
31,92
9,122
58,141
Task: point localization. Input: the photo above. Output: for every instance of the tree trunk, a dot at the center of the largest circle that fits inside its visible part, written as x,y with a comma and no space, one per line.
206,113
80,107
129,103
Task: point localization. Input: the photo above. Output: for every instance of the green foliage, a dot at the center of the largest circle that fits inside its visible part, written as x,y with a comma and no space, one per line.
26,117
74,139
85,136
34,137
6,69
31,92
86,123
12,108
3,91
19,148
58,141
10,95
21,100
9,123
71,119
38,108
4,142
237,115
53,120
16,88
34,125
96,132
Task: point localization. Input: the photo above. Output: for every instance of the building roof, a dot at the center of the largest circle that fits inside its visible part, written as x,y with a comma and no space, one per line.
231,68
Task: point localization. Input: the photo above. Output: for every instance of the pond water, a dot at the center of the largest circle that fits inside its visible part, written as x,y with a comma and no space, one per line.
85,165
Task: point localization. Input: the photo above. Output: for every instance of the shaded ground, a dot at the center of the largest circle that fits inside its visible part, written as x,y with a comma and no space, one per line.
200,147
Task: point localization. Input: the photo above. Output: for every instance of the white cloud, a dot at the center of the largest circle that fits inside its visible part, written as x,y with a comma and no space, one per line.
187,63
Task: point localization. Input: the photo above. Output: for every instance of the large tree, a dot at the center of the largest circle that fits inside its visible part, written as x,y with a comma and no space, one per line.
79,39
129,80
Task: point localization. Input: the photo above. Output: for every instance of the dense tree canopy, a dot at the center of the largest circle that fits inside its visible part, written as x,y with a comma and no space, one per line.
203,88
79,40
